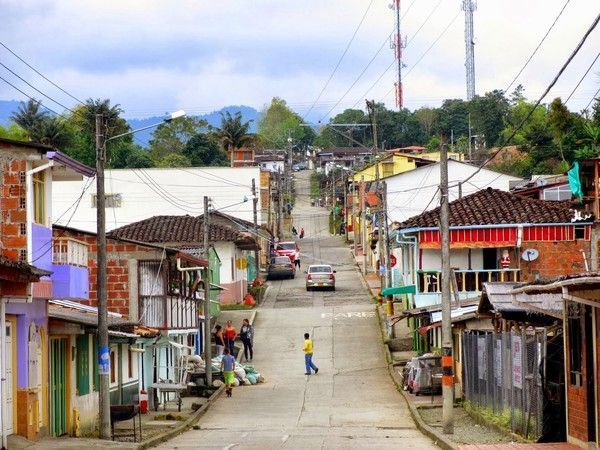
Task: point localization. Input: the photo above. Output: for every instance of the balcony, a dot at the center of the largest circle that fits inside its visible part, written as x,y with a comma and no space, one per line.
170,312
469,283
70,274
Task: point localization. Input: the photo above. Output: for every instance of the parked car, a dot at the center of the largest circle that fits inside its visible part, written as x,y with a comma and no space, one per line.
288,248
320,276
281,267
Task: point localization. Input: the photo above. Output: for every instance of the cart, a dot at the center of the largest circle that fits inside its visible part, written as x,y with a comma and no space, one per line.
172,378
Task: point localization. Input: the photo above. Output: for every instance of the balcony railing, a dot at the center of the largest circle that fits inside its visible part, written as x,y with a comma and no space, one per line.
70,251
430,281
172,312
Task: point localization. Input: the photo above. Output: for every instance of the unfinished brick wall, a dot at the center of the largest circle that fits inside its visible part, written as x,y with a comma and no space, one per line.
556,258
13,215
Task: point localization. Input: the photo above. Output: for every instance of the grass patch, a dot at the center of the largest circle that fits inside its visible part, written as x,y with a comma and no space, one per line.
502,419
235,307
315,185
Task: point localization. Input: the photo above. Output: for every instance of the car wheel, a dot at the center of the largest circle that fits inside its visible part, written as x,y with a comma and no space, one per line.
333,288
307,289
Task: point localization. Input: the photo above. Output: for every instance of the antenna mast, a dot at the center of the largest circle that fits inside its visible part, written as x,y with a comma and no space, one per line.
398,45
469,6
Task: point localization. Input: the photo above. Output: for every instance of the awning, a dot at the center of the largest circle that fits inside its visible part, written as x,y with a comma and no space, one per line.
398,290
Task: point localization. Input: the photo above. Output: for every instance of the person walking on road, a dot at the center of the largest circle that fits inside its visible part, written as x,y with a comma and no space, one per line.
308,354
230,335
227,365
219,341
302,233
247,335
297,261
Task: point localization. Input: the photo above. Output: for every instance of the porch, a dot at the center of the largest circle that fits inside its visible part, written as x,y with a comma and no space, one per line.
465,280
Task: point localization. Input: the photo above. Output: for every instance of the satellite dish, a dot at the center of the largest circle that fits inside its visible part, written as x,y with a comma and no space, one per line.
530,254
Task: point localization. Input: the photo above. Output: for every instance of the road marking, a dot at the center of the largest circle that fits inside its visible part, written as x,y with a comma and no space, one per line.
348,315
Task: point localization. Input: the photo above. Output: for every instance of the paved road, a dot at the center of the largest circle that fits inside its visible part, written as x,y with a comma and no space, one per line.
351,403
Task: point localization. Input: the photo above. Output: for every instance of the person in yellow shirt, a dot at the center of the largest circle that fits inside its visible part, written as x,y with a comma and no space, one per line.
308,353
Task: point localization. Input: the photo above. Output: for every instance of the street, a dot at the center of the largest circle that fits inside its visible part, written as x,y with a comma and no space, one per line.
352,402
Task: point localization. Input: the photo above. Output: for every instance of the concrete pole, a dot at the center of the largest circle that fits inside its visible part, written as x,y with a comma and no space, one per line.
103,347
255,217
447,375
363,222
386,247
207,326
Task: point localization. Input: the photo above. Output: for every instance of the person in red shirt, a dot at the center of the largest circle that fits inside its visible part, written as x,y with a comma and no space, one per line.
230,334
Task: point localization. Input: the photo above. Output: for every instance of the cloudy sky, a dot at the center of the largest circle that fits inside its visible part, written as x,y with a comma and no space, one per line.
155,56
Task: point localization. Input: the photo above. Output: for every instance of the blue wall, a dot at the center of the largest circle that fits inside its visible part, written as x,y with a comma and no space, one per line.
70,281
41,246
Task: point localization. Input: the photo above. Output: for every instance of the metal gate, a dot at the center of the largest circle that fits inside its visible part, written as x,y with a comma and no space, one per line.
58,386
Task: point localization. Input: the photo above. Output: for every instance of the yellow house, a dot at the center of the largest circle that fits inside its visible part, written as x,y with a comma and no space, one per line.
389,165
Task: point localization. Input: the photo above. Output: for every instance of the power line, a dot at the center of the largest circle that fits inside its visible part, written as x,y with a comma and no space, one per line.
538,46
34,88
339,60
550,86
593,98
39,73
582,78
28,96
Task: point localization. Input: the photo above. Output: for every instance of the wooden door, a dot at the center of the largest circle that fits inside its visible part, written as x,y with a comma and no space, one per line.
58,386
10,387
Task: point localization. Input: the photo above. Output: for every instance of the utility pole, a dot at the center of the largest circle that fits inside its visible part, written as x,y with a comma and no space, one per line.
371,109
447,375
352,212
380,227
363,222
207,327
333,190
279,207
387,251
398,46
103,347
470,140
255,217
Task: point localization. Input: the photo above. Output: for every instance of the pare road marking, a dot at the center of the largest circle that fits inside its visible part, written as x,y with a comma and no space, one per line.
348,315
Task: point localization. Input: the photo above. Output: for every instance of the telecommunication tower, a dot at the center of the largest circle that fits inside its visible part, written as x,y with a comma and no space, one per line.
397,44
469,6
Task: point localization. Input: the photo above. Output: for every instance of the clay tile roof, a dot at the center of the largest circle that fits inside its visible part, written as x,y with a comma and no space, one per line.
492,206
184,229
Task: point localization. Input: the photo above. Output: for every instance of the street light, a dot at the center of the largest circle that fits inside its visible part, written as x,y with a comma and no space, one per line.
103,347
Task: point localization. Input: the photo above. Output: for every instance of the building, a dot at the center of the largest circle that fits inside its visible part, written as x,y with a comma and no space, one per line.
28,175
348,157
387,166
234,247
241,157
137,194
544,187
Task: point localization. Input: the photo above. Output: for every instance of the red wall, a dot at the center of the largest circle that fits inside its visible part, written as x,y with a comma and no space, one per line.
12,241
556,258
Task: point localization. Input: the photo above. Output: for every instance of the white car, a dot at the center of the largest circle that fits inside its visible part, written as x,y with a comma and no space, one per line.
320,276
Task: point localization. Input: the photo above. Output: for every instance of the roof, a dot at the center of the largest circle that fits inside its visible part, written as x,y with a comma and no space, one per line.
497,297
336,151
78,313
492,206
371,199
20,271
501,297
582,280
174,229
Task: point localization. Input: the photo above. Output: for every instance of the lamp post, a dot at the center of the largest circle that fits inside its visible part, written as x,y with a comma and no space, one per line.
103,346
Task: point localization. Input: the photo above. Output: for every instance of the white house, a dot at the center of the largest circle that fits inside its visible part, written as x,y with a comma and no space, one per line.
137,194
412,193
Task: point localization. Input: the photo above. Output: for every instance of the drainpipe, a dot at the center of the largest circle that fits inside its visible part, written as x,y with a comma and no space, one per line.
2,371
29,205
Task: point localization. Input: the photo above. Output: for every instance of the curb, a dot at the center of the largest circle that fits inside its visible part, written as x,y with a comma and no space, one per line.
189,423
428,431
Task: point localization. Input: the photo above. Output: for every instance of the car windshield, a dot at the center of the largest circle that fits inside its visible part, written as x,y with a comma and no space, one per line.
319,269
287,246
281,260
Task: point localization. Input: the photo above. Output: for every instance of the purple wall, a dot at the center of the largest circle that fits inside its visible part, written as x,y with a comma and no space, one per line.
41,243
70,281
26,312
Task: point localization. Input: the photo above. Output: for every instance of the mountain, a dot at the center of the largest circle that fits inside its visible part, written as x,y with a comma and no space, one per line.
7,107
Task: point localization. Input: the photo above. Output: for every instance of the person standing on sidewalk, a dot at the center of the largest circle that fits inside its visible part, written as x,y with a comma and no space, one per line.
219,341
308,354
227,366
230,335
247,336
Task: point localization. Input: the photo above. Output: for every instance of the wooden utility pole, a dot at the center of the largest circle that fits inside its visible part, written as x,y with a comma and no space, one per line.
447,375
380,228
103,346
207,326
352,210
386,248
371,109
279,207
255,217
363,222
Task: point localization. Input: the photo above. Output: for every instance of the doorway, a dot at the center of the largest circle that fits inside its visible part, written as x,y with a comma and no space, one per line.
58,386
9,361
490,259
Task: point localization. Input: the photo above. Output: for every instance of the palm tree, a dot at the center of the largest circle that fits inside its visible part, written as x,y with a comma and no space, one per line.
29,116
233,133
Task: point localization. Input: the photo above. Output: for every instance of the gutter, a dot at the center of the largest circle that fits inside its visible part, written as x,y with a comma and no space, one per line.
505,225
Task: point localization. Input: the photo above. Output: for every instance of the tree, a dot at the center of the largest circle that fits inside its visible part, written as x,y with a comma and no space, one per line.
203,151
453,117
139,159
560,121
427,118
14,132
278,123
174,160
434,143
488,114
29,116
173,136
330,137
233,133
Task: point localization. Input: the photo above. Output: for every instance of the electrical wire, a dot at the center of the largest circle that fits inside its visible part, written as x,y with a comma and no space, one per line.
339,60
539,101
34,88
28,96
538,47
595,97
582,78
39,73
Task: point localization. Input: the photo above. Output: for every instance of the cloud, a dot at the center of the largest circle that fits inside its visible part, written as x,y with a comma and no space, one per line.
157,56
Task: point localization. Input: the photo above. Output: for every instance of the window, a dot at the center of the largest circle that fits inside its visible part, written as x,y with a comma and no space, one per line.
113,368
39,198
579,231
129,363
112,200
83,364
575,324
557,193
387,169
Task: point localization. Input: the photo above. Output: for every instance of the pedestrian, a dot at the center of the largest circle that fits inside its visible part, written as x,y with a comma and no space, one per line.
294,231
219,341
227,365
247,337
308,354
297,261
302,233
229,335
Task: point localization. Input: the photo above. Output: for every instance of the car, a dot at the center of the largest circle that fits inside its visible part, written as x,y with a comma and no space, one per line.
288,248
320,276
281,267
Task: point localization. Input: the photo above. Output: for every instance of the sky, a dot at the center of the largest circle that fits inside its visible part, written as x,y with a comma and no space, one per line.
155,56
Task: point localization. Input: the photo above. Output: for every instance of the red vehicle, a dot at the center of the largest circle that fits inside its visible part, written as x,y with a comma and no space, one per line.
289,249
